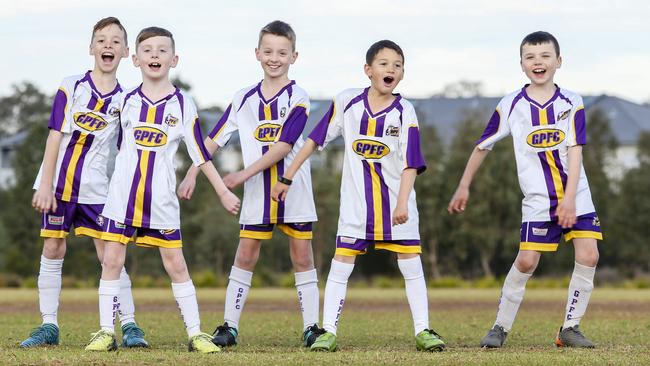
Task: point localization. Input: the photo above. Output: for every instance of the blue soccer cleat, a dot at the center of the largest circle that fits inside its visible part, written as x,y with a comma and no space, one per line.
133,336
46,334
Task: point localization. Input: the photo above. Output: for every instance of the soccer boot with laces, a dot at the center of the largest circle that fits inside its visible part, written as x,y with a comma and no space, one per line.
429,340
133,336
102,341
46,334
310,334
325,342
225,336
202,343
572,337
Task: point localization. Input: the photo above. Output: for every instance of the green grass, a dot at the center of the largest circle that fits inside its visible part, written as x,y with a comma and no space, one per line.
375,329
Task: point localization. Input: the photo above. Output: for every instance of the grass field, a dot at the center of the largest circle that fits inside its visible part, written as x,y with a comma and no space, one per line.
375,329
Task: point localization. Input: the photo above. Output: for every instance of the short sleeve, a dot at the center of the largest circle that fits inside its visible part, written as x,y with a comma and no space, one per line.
192,134
225,127
295,123
410,148
330,126
497,128
60,115
578,125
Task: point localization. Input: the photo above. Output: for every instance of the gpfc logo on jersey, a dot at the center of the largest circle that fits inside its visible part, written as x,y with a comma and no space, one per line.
546,137
370,149
267,132
170,120
149,136
90,121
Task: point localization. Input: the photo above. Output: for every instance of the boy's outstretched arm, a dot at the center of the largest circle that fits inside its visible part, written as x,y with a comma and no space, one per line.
228,199
186,188
461,196
43,199
566,209
406,182
275,153
279,191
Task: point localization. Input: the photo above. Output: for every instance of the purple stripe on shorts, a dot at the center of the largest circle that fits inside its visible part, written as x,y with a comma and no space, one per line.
76,183
550,186
546,232
588,222
302,227
146,207
359,244
266,217
65,164
385,204
534,115
130,207
370,211
258,228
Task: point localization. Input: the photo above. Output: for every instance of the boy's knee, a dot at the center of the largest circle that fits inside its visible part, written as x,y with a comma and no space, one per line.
303,262
176,266
588,258
246,258
54,248
113,263
526,263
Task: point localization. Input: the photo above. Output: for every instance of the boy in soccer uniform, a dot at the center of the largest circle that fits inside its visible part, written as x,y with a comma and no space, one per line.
270,117
155,117
382,158
547,124
72,183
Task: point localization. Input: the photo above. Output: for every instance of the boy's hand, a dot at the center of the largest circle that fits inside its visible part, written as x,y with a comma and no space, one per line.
279,192
566,213
186,188
400,215
43,200
230,202
233,180
458,201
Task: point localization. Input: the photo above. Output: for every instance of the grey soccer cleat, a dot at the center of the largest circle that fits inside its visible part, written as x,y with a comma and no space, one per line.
494,338
572,337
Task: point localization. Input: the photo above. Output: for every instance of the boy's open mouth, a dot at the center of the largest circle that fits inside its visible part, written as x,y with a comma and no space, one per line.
154,65
389,79
539,71
107,56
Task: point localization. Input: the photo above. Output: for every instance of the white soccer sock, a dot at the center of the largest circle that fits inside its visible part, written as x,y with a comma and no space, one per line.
308,296
49,289
127,307
580,287
416,291
236,294
185,295
109,292
512,294
335,290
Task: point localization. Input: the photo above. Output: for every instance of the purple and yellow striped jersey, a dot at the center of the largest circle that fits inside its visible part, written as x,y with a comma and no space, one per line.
261,123
542,135
89,122
142,192
378,147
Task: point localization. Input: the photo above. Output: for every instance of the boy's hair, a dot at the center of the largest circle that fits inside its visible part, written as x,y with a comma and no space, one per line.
279,28
540,37
380,45
103,23
150,32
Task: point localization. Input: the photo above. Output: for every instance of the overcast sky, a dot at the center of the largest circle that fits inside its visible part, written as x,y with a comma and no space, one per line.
605,44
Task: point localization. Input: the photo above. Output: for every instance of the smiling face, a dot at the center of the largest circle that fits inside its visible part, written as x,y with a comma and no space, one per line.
275,54
108,47
539,62
385,71
155,56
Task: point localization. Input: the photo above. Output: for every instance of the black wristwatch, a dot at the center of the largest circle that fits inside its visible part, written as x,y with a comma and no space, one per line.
284,180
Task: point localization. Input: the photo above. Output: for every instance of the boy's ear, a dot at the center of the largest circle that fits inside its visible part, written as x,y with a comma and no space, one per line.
126,53
174,61
135,60
366,70
295,57
257,54
559,62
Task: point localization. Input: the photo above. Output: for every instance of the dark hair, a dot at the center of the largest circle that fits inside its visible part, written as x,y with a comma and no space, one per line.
103,23
380,45
540,37
150,32
279,28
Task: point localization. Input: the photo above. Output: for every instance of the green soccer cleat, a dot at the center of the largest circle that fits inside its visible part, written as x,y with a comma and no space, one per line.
310,334
326,342
102,341
133,336
202,342
44,335
428,340
573,337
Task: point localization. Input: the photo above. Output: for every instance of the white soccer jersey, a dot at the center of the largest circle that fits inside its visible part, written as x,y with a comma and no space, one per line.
542,135
262,123
142,192
89,122
378,147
